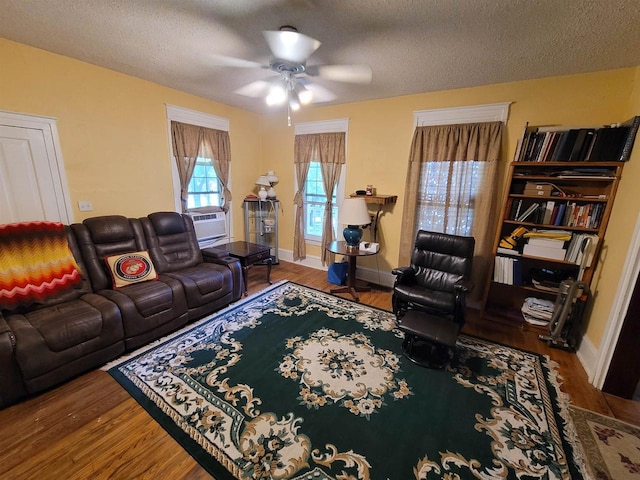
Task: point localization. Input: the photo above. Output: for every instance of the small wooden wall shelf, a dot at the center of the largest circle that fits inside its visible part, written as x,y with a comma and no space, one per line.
380,201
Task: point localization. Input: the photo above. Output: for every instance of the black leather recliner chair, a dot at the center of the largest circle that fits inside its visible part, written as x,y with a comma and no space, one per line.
434,287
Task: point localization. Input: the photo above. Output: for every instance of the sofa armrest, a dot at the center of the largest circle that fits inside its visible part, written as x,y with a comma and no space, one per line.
11,386
213,253
232,263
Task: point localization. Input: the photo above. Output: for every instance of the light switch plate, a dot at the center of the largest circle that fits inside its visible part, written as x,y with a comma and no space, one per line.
85,205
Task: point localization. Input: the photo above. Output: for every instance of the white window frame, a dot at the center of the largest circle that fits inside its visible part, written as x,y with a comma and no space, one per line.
201,119
490,112
326,126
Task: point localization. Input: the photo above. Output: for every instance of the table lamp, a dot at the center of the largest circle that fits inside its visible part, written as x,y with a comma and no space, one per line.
354,214
262,181
273,179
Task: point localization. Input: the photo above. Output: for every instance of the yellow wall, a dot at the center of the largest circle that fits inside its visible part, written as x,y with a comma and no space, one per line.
113,130
113,136
380,135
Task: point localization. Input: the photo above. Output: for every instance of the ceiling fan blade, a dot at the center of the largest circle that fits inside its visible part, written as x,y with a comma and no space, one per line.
320,94
342,73
291,46
224,61
259,88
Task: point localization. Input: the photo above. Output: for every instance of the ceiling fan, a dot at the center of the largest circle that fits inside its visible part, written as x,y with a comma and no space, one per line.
293,83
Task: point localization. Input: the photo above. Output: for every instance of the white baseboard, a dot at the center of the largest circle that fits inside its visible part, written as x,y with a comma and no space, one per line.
588,355
311,261
370,275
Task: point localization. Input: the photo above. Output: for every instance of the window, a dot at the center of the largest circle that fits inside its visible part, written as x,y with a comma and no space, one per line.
448,191
314,202
314,197
204,187
448,207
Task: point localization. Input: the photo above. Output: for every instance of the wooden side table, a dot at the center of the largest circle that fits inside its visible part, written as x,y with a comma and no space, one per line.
341,248
250,254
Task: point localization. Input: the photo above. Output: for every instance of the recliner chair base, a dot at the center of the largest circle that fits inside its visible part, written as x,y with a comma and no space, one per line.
426,354
429,339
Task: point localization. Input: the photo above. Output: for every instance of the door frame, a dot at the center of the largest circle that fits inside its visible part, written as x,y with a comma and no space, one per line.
48,127
618,311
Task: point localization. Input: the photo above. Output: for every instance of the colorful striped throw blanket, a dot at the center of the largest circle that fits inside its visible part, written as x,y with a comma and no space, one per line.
35,263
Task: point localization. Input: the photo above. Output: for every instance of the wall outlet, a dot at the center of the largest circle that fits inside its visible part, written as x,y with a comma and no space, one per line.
85,205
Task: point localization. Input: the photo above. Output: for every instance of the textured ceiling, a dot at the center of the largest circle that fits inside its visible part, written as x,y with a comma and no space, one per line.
412,46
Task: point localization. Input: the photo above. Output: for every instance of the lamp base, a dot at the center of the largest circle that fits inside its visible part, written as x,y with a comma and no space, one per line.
352,235
262,193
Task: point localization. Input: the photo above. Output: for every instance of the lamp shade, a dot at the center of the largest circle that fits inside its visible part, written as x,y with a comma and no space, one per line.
263,181
354,212
272,177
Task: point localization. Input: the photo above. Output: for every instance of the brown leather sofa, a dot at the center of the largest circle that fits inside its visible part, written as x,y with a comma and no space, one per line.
83,328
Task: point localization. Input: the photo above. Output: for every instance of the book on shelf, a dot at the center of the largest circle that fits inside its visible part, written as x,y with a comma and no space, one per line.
528,212
548,211
514,208
544,252
633,124
612,143
582,248
546,242
563,235
507,251
507,270
560,215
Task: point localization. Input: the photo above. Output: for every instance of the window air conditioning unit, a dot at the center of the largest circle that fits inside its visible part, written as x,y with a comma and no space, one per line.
209,227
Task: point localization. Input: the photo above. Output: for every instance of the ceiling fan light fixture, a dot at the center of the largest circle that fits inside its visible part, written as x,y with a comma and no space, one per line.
294,101
304,94
289,37
276,96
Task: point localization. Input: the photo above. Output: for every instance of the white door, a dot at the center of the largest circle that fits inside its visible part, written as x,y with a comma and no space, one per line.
31,184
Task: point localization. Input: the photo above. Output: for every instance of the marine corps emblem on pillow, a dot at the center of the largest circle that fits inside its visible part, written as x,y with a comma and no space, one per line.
130,268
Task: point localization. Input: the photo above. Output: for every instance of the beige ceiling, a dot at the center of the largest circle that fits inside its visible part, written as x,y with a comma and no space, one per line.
412,46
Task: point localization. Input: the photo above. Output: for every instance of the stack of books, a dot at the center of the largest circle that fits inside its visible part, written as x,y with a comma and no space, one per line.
507,270
547,244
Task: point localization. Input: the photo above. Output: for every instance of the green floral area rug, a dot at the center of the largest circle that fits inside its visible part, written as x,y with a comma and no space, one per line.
612,447
294,383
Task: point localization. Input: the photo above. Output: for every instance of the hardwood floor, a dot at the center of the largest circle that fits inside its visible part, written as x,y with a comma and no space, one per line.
90,428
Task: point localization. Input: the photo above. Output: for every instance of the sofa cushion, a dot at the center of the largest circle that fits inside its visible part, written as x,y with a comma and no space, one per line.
204,283
129,268
66,325
59,341
150,298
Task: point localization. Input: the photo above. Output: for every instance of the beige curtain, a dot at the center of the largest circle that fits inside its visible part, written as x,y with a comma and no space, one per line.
186,143
217,146
329,150
192,141
469,190
302,154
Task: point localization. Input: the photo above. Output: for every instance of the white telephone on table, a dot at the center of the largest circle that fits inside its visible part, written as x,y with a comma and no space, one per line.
370,247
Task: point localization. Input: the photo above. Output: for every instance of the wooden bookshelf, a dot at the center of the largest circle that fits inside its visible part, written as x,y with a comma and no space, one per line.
587,189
